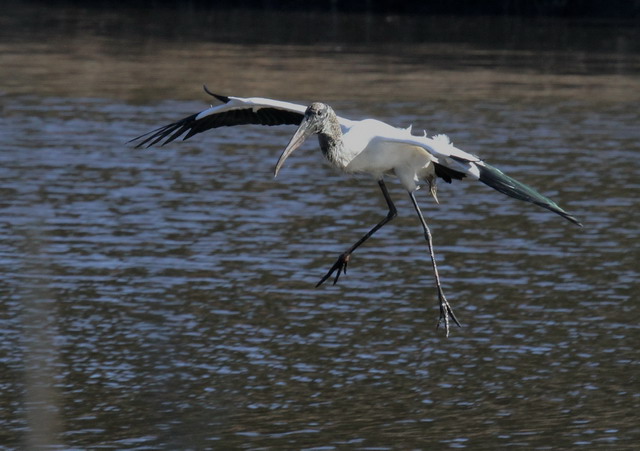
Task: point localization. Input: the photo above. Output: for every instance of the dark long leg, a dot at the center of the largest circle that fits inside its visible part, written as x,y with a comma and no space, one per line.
341,264
445,308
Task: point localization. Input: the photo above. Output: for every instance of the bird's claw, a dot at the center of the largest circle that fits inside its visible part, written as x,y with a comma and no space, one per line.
340,266
445,312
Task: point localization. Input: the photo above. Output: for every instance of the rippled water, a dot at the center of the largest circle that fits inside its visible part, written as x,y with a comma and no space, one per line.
165,298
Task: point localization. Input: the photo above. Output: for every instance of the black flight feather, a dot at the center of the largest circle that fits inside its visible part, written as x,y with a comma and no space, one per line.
191,125
448,174
498,180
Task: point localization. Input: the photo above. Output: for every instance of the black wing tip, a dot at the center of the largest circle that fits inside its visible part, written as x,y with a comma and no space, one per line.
501,182
574,220
568,216
223,99
141,143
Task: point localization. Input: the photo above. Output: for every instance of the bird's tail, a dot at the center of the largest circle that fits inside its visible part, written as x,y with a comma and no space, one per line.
498,180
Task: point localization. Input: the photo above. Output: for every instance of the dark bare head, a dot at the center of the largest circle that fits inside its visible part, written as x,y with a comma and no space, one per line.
319,118
320,115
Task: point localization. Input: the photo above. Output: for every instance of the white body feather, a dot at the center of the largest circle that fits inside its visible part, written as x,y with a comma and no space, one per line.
375,147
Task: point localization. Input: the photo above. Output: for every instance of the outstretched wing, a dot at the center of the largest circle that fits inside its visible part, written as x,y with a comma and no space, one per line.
451,162
233,111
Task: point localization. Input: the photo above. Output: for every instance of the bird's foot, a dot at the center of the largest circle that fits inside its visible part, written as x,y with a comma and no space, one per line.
340,265
445,312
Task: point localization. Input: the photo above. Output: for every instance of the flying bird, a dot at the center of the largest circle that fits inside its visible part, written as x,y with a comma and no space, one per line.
367,146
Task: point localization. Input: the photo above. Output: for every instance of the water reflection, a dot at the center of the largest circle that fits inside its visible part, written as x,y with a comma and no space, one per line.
79,52
164,299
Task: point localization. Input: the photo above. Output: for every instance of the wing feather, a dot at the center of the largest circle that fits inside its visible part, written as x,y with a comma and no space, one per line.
452,162
234,111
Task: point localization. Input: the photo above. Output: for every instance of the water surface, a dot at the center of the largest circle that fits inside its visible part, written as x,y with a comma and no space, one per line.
165,298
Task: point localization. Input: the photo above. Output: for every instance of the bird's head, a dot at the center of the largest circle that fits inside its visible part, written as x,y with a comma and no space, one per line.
317,119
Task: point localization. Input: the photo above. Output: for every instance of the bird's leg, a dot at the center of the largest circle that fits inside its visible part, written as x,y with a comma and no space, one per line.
445,309
341,264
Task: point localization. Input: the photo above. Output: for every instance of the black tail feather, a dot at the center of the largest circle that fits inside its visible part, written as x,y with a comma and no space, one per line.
498,180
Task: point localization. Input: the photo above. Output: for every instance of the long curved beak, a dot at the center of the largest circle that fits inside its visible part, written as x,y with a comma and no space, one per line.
303,132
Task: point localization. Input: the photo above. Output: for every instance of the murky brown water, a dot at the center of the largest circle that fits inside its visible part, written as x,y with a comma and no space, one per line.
165,298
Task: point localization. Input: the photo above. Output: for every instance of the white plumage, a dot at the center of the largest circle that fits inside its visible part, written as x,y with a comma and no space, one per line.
368,146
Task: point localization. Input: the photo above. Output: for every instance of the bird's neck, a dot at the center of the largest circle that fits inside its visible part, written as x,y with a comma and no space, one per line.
331,144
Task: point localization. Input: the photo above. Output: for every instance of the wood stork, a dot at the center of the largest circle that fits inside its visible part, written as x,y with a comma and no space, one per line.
367,146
